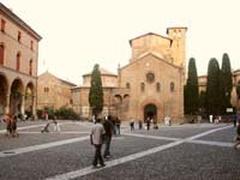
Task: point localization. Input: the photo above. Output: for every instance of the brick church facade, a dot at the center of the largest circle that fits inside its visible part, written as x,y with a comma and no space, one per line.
151,85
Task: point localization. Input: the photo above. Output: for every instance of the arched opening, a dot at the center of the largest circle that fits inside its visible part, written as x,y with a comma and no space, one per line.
118,104
29,95
150,111
3,93
16,96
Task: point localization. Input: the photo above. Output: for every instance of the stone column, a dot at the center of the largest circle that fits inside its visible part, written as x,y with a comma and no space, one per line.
7,108
23,105
34,104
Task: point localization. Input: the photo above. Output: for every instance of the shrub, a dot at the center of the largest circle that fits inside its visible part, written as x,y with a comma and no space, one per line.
66,113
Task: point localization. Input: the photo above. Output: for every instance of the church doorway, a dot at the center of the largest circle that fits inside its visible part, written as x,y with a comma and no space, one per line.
150,111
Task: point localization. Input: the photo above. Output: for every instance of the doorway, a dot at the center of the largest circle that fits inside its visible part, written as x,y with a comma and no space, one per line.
150,111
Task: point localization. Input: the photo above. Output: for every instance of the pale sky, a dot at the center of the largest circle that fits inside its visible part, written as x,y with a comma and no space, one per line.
80,33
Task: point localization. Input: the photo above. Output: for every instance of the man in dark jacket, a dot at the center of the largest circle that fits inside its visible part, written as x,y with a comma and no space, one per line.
108,127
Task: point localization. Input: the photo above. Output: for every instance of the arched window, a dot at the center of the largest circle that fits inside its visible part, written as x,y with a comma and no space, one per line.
1,54
128,85
3,24
142,87
30,67
171,87
158,87
18,61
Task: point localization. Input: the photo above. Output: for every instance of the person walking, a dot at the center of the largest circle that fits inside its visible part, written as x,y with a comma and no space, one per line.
96,138
118,124
234,120
14,126
56,125
148,123
109,129
132,125
237,137
139,124
8,120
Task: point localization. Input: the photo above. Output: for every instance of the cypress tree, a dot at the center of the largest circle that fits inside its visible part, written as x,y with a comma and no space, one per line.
95,97
226,81
191,90
213,96
202,101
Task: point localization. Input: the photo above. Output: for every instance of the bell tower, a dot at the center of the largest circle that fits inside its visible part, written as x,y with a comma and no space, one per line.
178,36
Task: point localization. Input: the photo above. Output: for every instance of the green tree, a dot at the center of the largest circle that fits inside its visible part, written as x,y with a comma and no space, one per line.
226,81
95,97
213,95
202,101
191,89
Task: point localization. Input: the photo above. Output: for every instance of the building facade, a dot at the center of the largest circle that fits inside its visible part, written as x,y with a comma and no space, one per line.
18,64
151,85
53,92
235,101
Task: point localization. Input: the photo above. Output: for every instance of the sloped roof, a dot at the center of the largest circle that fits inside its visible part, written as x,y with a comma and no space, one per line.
19,21
156,57
63,81
148,34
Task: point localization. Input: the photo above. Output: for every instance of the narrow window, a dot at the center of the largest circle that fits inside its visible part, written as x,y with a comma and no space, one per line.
19,36
1,54
18,61
142,87
31,45
46,89
158,87
171,87
128,85
30,67
3,24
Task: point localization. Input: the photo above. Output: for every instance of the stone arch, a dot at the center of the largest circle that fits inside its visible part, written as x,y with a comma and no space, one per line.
117,99
150,111
29,98
3,93
159,113
125,102
16,95
118,104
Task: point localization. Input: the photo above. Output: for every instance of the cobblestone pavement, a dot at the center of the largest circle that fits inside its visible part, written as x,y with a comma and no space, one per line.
189,151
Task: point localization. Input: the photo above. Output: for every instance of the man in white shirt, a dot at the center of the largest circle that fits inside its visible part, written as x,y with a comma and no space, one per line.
96,138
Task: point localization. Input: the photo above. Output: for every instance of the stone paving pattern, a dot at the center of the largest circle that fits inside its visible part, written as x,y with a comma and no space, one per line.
183,161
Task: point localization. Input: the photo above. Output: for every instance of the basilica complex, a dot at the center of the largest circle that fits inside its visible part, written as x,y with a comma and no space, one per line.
151,85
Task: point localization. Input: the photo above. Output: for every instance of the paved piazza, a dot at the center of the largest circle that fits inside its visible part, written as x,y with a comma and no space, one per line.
189,151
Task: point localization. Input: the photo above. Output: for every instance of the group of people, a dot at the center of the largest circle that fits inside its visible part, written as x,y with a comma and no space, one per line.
101,133
11,124
148,122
